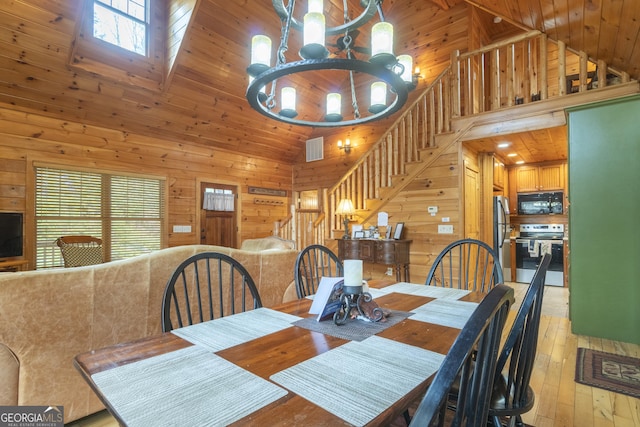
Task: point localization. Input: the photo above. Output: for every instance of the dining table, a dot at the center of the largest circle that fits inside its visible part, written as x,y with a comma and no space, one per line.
281,366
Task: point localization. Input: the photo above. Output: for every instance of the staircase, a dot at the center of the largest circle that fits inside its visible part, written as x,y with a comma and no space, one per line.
506,76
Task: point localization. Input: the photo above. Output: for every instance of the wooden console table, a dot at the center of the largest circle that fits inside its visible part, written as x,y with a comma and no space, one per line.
17,265
377,251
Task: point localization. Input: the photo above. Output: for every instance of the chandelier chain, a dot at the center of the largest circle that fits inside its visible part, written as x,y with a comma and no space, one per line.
354,100
379,6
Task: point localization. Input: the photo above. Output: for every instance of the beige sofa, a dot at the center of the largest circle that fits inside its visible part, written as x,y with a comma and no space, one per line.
48,317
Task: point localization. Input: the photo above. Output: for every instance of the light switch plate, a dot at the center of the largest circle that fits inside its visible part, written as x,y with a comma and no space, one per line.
445,229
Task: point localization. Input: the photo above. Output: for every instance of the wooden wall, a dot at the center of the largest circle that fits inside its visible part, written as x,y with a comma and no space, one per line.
29,138
441,186
451,33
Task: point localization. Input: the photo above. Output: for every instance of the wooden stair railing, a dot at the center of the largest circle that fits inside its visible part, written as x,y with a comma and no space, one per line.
400,152
501,75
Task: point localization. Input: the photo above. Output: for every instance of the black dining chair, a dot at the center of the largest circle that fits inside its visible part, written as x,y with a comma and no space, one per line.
512,395
469,368
466,264
313,263
206,286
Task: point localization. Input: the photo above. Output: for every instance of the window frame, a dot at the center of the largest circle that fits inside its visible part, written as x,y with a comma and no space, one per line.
146,23
98,57
105,218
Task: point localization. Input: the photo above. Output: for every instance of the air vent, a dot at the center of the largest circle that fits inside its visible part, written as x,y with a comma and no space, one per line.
315,149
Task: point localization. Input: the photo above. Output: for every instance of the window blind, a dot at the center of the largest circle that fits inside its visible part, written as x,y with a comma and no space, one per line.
126,212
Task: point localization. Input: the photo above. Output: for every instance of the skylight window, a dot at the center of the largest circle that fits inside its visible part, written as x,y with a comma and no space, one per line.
123,23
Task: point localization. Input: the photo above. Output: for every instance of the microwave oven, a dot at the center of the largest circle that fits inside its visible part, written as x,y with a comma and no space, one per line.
540,203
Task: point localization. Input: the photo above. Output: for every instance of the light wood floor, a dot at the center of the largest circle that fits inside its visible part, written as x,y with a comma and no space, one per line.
560,401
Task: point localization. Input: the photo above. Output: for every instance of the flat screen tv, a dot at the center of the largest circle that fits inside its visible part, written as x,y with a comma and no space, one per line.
10,234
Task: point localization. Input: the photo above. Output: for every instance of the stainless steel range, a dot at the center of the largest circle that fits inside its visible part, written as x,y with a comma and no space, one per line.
535,240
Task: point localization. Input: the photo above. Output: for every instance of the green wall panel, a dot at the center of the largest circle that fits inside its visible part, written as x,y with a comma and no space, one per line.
604,219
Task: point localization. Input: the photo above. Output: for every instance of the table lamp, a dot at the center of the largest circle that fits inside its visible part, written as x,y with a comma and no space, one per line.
346,209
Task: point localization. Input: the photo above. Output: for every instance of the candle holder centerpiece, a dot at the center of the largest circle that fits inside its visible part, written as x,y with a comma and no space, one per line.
354,302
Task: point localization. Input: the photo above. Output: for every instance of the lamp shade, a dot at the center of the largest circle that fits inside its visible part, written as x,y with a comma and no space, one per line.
345,207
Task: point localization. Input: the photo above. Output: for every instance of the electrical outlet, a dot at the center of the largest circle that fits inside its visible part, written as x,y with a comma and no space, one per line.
445,229
389,272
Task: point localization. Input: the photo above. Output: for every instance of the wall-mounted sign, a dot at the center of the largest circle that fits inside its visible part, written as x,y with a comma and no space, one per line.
268,191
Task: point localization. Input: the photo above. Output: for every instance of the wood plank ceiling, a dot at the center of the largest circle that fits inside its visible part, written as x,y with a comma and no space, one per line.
43,66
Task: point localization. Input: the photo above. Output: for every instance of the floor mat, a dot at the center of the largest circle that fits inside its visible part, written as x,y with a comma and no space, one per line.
613,372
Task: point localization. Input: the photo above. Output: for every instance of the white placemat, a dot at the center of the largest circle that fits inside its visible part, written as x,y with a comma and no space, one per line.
226,332
187,387
445,312
426,291
359,380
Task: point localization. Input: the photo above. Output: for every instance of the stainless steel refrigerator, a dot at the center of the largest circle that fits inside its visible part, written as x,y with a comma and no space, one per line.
502,234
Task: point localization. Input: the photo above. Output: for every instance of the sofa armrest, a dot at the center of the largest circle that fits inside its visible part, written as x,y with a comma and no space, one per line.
269,242
9,375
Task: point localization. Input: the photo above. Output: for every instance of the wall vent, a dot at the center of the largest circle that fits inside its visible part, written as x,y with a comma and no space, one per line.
315,150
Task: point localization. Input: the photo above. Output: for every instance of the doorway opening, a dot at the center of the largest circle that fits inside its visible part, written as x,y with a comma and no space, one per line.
218,219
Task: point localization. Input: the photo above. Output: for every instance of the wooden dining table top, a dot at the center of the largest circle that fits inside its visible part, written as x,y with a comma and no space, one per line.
275,352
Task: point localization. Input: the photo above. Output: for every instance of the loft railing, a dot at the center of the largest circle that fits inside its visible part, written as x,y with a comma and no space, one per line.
519,70
522,69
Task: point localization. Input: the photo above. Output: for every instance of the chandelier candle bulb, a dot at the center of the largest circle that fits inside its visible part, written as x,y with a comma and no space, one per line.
260,55
313,37
382,43
315,6
288,101
378,97
334,107
406,62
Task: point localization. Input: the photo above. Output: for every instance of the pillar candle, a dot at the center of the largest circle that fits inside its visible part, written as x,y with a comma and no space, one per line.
352,272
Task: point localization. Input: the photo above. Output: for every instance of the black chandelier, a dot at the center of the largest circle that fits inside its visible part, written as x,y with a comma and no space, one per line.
391,75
